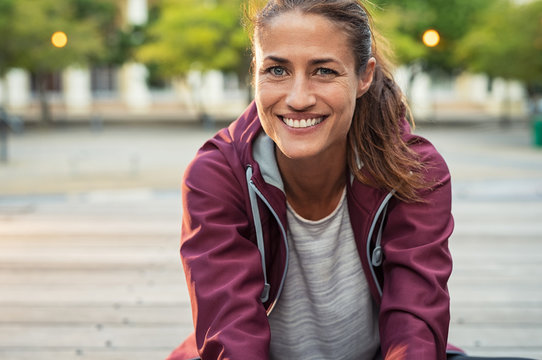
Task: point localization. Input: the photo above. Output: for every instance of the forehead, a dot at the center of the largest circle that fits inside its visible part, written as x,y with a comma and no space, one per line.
295,34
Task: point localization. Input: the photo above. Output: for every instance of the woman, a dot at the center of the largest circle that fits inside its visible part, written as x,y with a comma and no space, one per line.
316,225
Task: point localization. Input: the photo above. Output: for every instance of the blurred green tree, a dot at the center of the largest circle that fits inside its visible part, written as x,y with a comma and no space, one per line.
506,42
26,27
117,38
404,22
6,9
197,35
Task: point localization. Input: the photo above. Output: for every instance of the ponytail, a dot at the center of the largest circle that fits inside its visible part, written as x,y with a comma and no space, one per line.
375,138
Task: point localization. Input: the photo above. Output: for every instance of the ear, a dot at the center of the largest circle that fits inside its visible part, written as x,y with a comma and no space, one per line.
366,78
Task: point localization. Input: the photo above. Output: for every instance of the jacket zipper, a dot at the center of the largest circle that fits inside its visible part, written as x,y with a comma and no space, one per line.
255,190
375,258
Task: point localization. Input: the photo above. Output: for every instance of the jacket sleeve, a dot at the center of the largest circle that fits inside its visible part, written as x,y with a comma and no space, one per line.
417,264
221,263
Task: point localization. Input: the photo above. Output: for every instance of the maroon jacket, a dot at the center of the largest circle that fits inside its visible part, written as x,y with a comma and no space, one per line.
223,264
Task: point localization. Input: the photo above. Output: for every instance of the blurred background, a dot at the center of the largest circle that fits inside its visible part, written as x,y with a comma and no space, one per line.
104,102
178,60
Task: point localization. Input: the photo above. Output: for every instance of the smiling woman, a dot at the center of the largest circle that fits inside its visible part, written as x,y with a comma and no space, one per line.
316,225
306,97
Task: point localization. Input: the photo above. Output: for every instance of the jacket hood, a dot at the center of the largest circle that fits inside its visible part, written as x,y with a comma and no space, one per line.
243,132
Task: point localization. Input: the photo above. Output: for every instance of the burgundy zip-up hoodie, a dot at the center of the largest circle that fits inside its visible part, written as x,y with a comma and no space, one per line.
223,264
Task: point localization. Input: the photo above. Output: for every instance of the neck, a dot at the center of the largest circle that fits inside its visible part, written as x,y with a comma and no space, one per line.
313,186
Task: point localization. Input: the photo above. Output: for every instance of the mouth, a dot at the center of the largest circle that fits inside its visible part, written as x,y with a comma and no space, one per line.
302,123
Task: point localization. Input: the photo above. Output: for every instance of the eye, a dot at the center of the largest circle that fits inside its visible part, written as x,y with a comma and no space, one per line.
325,72
277,71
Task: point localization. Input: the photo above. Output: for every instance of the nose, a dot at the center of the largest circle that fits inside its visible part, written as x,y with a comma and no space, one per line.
300,95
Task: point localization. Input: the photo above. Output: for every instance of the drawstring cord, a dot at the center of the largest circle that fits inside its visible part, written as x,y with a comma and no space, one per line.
259,232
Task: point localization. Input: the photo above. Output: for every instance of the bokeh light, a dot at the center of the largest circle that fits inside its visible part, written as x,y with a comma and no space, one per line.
59,39
431,38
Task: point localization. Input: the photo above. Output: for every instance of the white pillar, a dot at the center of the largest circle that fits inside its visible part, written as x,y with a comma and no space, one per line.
137,12
135,91
472,88
2,92
498,96
77,90
508,98
213,87
195,84
517,104
134,87
401,76
421,97
17,89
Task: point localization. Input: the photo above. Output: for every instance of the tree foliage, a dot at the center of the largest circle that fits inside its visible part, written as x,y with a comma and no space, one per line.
27,26
404,23
405,47
196,34
6,33
502,38
506,42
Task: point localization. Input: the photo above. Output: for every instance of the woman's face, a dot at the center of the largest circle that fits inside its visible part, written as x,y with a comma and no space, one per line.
307,85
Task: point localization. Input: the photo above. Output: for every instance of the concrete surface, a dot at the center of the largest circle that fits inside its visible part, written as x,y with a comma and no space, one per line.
89,232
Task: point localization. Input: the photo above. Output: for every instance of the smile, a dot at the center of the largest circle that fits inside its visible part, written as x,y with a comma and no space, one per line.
303,123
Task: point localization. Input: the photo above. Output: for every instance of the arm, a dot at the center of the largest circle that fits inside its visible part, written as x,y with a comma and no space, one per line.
415,302
222,265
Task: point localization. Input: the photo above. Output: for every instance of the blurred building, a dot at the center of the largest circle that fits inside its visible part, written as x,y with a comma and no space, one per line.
464,97
124,92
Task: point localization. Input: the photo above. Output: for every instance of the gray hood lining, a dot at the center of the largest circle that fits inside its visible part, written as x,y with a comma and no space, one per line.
264,154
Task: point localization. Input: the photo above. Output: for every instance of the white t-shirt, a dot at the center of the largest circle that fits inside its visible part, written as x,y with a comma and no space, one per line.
325,310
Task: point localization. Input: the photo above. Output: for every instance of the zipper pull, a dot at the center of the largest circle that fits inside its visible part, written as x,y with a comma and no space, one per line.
376,259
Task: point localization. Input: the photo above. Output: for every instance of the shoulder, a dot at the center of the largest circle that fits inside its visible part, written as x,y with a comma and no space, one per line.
227,152
430,158
434,165
215,179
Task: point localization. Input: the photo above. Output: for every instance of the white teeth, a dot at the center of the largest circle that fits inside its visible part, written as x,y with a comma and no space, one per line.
304,123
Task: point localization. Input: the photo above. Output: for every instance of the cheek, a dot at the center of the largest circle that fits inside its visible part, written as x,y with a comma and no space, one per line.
265,99
343,100
268,100
344,104
266,94
261,96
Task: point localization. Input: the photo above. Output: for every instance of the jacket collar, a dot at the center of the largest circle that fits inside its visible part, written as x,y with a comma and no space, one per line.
263,152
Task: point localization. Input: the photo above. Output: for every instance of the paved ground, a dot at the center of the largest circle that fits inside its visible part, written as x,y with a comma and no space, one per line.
89,229
496,286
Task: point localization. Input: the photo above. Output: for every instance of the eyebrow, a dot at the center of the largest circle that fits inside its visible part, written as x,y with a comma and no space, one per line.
312,62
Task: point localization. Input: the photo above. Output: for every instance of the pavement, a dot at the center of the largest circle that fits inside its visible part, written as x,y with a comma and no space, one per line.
79,159
89,229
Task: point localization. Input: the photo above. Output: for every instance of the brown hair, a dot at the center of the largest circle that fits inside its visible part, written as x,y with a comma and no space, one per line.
375,134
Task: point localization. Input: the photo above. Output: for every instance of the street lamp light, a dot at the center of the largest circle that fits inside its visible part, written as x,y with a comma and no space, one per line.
59,39
431,38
